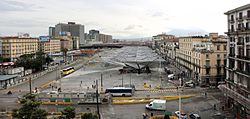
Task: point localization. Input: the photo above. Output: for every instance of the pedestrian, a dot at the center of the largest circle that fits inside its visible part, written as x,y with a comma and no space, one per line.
144,116
205,94
214,106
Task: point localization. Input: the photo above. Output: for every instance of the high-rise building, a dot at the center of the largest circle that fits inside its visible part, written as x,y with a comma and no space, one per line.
15,46
73,28
237,87
51,31
1,53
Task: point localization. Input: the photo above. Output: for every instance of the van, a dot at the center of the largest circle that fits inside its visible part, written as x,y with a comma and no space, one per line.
156,105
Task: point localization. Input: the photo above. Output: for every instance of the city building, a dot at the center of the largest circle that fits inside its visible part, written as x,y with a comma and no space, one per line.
95,37
15,46
76,43
202,58
237,87
105,38
76,30
1,48
165,45
52,31
49,45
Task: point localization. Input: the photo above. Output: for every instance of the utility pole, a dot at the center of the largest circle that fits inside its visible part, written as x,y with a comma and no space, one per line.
97,103
179,90
101,83
122,79
30,85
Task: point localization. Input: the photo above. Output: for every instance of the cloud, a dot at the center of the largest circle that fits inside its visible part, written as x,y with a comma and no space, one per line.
10,5
131,27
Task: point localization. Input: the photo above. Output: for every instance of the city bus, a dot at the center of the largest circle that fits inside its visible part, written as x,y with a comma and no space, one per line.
68,70
120,91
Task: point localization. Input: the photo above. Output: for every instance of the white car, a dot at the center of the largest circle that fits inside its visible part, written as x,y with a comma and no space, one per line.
52,92
183,115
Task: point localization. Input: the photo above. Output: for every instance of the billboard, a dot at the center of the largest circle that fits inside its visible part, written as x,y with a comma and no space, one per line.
44,39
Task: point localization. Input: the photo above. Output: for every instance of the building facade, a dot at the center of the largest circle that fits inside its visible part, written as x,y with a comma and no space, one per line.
203,58
74,29
52,31
237,87
51,45
14,47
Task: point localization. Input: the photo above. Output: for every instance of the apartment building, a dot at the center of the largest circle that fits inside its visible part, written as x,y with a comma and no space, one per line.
15,46
237,87
202,58
49,45
162,43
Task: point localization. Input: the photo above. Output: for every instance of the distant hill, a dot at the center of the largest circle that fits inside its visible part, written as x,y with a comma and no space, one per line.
187,32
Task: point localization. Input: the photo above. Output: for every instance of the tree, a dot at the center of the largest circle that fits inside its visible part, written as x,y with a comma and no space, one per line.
69,112
89,116
29,109
33,61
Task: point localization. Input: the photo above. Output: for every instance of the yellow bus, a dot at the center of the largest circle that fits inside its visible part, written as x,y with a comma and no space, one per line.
68,71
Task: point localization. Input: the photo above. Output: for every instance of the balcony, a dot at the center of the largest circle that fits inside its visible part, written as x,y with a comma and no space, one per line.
231,20
207,66
239,19
231,55
236,96
246,57
240,43
243,72
219,65
247,17
240,56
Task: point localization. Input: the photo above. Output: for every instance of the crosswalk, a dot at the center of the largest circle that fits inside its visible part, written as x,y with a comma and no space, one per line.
158,91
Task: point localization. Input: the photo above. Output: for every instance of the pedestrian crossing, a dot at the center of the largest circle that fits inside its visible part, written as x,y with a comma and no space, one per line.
158,90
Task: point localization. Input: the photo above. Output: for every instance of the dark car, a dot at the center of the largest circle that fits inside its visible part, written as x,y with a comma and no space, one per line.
194,116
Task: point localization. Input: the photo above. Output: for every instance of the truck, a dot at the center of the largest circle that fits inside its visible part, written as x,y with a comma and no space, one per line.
156,105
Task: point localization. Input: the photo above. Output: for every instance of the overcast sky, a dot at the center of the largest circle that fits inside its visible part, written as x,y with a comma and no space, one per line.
120,18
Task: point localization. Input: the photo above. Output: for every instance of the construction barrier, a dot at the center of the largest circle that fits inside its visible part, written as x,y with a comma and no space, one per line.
142,100
57,103
162,117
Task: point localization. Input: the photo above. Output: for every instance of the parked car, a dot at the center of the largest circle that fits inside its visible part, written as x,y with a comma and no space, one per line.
194,116
53,92
190,84
182,115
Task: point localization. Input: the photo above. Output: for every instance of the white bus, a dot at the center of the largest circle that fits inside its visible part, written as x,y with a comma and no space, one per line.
120,91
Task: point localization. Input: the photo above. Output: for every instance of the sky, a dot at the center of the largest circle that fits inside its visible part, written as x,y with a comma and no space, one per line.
120,18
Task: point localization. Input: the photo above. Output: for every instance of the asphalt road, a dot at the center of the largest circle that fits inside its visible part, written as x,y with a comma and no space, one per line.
85,77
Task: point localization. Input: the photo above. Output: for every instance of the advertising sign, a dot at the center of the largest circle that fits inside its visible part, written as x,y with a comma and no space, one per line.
44,38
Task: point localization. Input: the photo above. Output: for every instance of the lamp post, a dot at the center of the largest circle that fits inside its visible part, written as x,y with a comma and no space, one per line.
97,103
179,90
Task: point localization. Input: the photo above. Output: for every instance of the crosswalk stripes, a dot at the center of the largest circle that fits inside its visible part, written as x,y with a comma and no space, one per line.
160,91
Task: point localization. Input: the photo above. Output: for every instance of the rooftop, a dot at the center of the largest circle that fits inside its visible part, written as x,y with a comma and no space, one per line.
247,6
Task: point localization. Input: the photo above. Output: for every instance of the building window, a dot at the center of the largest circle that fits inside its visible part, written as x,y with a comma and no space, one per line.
248,13
218,47
247,26
225,47
218,56
232,28
247,39
232,18
207,70
207,56
207,62
240,15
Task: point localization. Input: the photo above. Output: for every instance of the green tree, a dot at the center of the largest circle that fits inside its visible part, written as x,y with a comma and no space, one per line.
89,116
4,59
69,112
29,109
33,61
